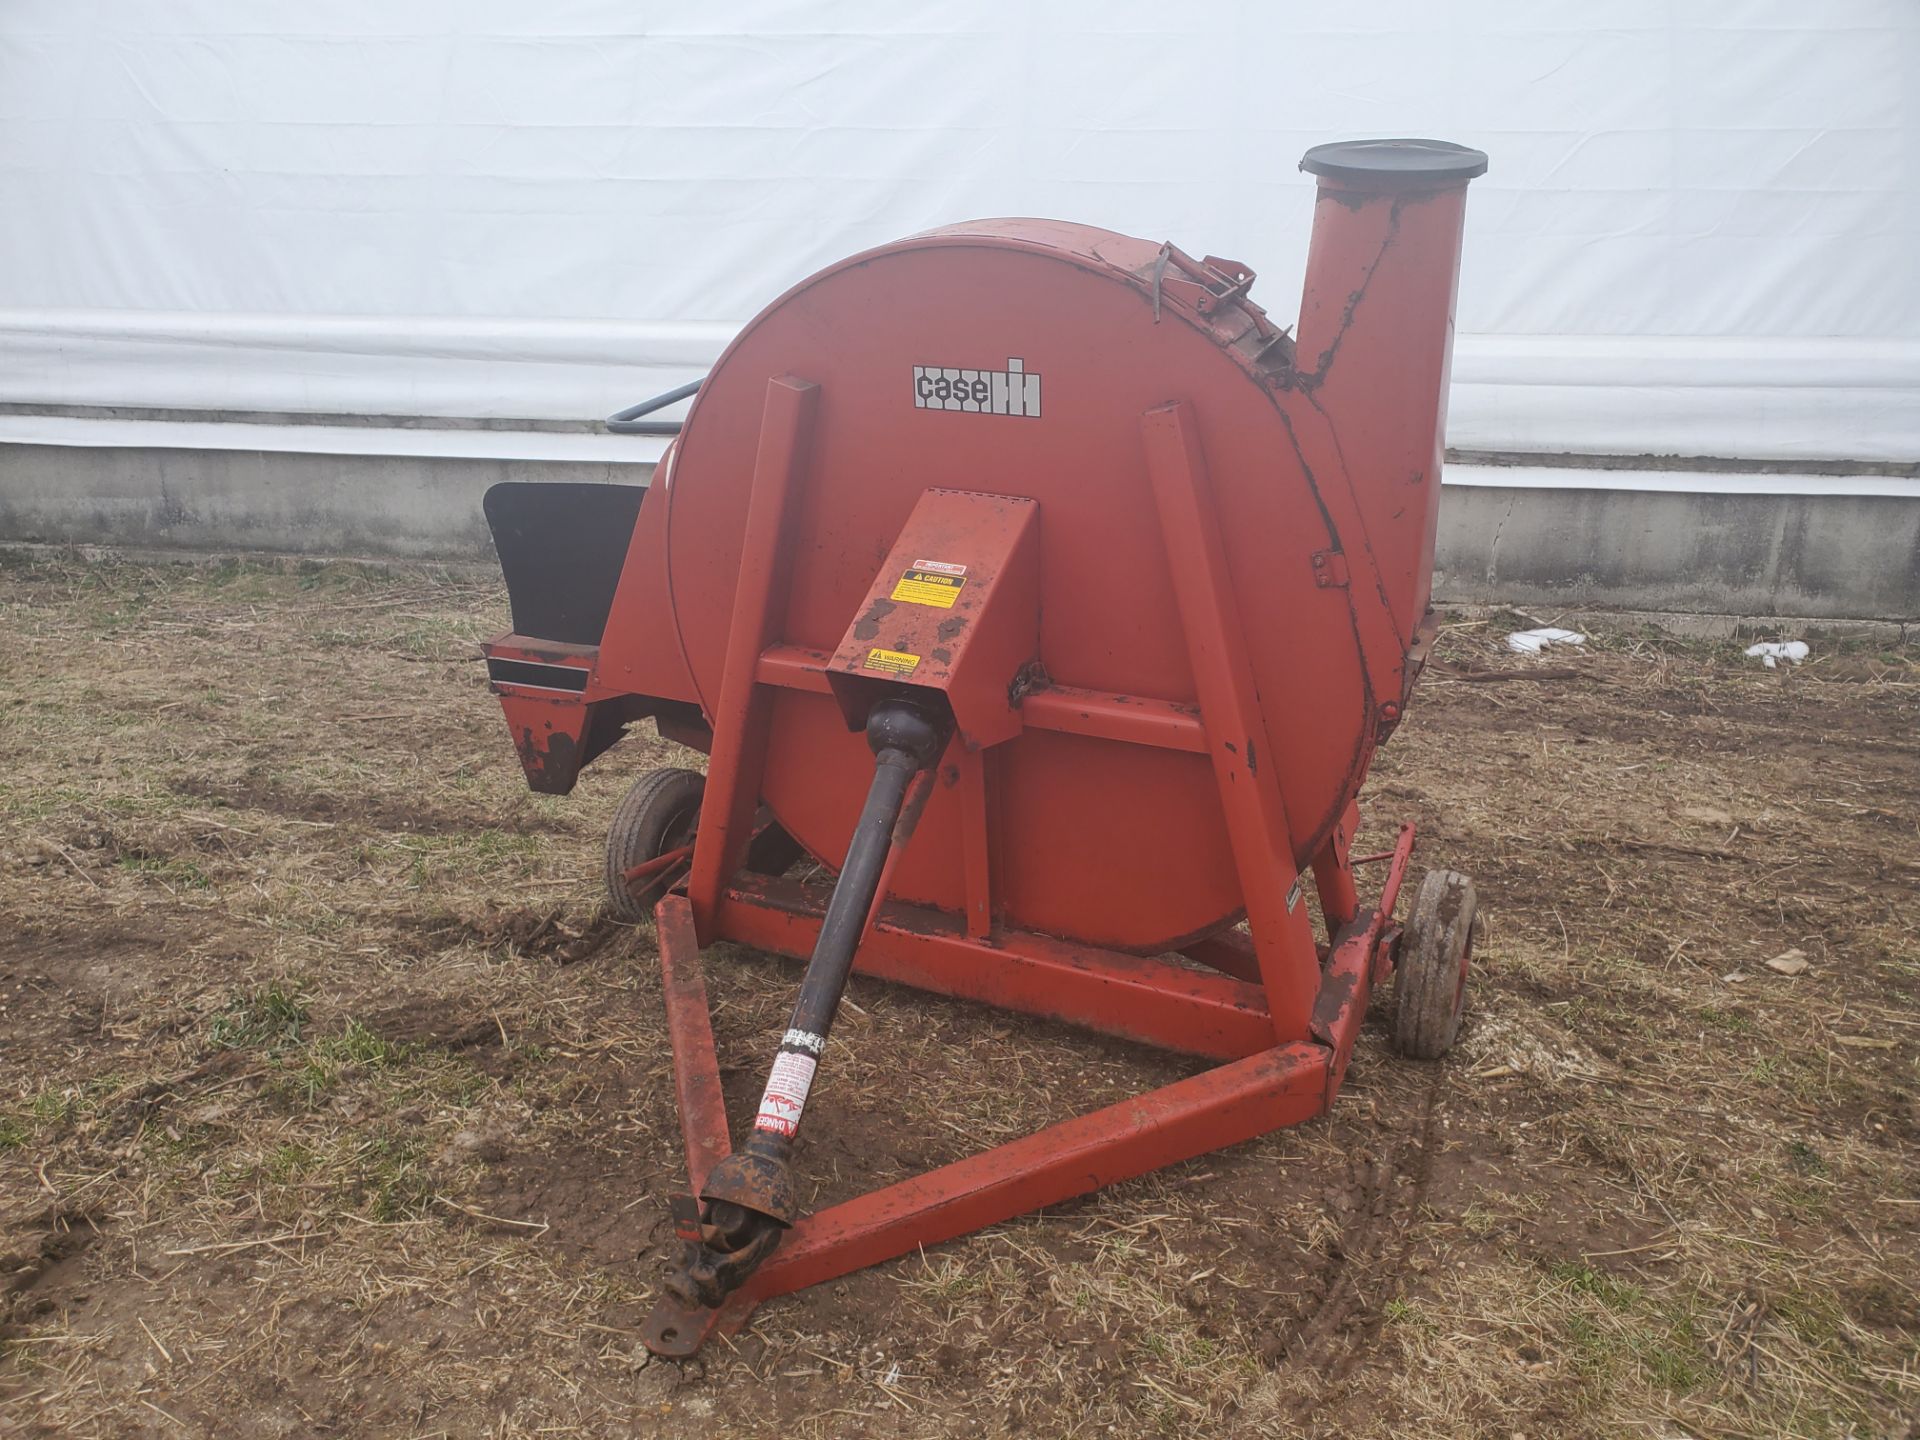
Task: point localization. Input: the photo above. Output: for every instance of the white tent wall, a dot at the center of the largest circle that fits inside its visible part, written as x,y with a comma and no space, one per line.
1698,236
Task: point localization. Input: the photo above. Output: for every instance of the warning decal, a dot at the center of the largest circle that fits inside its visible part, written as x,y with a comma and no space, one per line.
891,662
926,585
786,1093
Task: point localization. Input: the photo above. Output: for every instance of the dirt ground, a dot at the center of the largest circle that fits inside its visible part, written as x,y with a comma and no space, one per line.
329,1106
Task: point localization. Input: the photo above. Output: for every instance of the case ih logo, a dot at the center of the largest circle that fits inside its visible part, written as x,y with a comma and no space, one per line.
1012,391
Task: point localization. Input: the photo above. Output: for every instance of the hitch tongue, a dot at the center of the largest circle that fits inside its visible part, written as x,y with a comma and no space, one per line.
748,1200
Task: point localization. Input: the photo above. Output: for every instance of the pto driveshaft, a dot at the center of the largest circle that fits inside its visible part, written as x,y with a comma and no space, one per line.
749,1198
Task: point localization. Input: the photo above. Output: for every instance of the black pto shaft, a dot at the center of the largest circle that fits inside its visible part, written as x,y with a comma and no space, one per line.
749,1198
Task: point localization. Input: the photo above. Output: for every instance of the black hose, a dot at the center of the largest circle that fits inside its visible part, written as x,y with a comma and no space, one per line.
628,421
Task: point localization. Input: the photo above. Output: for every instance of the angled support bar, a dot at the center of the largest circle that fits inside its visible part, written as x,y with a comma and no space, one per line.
740,722
696,1071
1231,717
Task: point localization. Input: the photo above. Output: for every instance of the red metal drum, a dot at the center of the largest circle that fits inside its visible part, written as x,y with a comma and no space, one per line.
1075,333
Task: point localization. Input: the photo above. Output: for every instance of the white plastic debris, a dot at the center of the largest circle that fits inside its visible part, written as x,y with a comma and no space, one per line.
1532,642
1789,962
1771,652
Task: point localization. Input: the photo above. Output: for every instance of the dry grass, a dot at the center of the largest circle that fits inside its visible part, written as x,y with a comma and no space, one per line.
328,1104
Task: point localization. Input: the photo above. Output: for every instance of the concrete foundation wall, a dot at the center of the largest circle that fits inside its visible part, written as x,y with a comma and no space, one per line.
405,506
1839,556
1819,556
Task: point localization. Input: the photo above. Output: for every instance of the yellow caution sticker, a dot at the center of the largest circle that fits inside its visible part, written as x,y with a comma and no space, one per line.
891,662
924,586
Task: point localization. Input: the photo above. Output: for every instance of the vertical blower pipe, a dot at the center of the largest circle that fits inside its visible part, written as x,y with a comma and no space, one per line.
1375,344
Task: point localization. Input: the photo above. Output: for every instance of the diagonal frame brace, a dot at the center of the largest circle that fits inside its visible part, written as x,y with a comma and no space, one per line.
1233,1102
1231,717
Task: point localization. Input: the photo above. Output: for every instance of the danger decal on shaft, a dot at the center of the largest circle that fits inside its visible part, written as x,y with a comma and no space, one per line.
931,582
890,662
1012,391
786,1093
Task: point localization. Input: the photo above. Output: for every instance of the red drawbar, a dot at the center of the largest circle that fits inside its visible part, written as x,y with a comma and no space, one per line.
1264,1086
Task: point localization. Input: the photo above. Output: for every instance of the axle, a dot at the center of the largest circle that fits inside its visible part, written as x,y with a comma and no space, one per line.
748,1200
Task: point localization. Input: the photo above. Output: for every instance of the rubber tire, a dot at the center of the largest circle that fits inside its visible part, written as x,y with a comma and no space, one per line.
1430,979
659,813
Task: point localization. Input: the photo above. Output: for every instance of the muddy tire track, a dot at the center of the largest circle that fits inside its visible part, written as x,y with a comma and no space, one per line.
1379,1212
38,1253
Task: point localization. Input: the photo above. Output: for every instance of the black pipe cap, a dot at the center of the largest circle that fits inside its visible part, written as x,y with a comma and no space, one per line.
1395,164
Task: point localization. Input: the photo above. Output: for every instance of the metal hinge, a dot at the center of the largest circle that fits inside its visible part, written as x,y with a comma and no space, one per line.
1329,569
1205,286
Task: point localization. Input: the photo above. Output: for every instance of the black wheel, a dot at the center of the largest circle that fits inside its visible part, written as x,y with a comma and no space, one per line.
1430,980
661,813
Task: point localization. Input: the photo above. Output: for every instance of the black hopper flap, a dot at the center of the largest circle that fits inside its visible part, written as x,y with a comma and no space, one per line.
561,548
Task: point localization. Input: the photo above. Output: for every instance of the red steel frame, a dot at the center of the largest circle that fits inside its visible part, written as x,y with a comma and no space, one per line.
1281,1019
